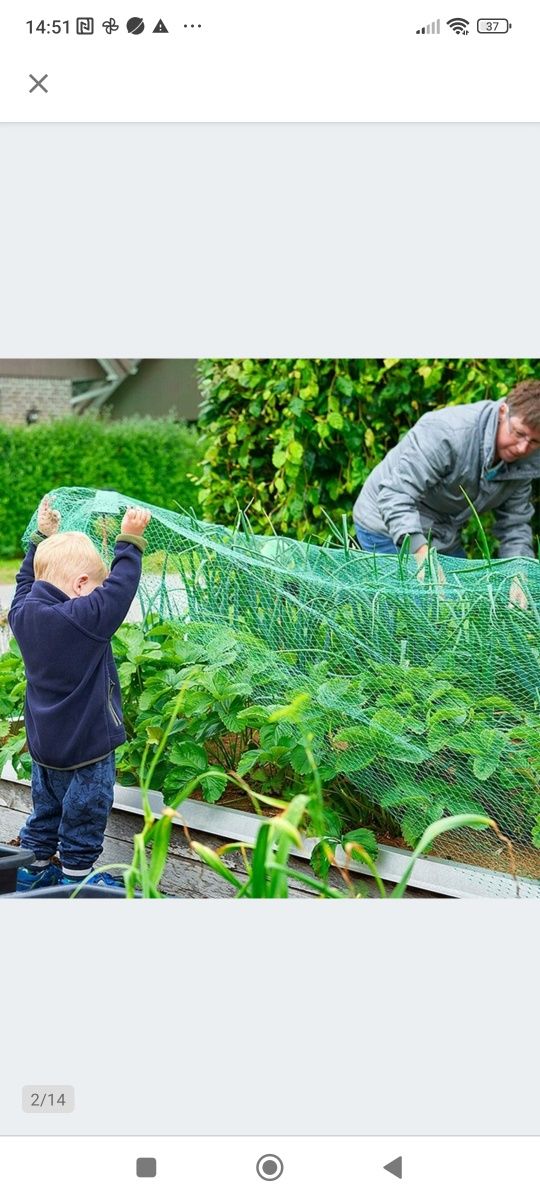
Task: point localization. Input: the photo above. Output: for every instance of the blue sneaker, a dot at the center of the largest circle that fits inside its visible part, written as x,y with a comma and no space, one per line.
29,880
95,878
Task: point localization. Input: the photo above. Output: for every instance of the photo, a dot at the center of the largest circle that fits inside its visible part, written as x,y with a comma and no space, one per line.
269,628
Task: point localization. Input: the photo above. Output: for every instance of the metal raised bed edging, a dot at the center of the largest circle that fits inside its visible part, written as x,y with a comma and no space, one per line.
438,875
431,874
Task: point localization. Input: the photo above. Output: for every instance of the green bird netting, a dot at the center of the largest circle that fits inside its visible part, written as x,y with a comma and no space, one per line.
421,695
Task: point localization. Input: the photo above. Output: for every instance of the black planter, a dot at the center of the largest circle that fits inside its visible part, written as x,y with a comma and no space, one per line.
11,858
64,892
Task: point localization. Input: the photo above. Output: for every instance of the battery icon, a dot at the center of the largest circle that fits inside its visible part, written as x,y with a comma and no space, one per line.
493,25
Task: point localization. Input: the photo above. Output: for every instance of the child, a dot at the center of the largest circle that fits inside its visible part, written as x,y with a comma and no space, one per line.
65,611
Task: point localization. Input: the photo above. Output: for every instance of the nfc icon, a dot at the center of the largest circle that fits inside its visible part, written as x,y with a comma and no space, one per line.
435,27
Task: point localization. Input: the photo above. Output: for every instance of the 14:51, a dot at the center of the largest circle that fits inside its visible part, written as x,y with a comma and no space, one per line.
48,27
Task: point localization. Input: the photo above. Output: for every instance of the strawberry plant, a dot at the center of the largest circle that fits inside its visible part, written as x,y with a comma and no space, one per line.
397,745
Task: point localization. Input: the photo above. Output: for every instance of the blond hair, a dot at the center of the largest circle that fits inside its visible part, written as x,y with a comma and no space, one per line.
61,558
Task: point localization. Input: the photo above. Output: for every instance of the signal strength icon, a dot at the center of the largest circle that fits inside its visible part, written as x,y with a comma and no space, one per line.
435,27
459,25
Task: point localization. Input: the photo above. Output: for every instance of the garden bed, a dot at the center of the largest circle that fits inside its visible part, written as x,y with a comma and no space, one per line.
185,876
432,873
273,668
446,871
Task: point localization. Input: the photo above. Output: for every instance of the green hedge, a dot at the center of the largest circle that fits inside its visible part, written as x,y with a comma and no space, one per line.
148,459
292,438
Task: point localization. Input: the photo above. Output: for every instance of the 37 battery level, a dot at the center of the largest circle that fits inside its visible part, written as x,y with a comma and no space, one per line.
493,25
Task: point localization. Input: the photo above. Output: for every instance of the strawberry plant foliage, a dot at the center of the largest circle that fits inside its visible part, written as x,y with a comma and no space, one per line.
413,700
392,742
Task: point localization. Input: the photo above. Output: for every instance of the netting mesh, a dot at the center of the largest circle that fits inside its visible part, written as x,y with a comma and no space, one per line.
424,695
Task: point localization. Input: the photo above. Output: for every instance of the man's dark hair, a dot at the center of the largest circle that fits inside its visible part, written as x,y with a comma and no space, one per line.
524,402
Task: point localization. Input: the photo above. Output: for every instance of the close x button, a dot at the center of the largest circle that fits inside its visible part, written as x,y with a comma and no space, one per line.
38,84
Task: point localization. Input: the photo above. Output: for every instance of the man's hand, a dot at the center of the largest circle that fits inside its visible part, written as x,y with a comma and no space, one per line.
421,555
517,597
135,521
48,517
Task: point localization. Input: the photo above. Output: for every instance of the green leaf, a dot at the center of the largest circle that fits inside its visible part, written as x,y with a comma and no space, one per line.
160,848
486,746
189,754
484,766
320,860
299,761
413,825
126,671
294,711
259,864
247,761
333,692
252,717
363,837
222,648
359,757
154,734
212,860
213,788
501,703
333,823
438,737
456,714
295,451
387,720
197,700
149,697
407,795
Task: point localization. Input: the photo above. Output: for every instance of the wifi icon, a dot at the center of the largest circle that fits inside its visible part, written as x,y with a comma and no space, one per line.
459,25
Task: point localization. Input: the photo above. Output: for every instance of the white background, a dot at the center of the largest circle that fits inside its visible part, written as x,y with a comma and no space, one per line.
228,240
317,1168
308,61
191,1017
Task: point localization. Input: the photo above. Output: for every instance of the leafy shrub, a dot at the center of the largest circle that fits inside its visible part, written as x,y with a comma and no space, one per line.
149,459
294,438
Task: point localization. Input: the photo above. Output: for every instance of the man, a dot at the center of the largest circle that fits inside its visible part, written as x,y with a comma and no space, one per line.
490,449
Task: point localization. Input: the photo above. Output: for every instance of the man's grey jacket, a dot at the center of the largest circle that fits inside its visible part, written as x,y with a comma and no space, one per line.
416,489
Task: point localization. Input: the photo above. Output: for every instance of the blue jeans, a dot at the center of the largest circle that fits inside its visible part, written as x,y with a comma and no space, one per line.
382,544
70,811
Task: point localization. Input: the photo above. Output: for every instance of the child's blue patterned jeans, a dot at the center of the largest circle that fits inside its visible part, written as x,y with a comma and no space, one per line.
70,811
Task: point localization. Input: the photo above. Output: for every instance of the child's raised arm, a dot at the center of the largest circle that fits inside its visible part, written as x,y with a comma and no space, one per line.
48,518
102,611
48,523
134,522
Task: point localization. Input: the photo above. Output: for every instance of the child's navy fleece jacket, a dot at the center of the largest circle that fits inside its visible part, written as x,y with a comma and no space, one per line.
73,709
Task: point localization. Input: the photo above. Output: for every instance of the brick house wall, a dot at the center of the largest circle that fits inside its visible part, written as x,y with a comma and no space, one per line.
51,398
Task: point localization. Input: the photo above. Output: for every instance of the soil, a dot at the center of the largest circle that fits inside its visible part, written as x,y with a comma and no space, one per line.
235,797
